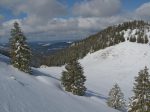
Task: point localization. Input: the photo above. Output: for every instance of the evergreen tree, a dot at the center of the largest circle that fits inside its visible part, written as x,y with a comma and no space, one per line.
132,39
19,50
116,98
140,102
73,79
146,39
140,39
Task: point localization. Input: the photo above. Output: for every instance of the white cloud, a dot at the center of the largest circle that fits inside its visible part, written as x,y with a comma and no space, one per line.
144,10
42,9
38,10
72,28
44,20
1,18
5,27
97,8
39,14
9,3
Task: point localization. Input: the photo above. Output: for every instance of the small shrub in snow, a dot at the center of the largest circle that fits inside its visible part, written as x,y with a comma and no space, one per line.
116,98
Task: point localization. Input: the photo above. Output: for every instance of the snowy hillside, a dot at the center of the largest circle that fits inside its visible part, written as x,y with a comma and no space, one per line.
115,64
41,92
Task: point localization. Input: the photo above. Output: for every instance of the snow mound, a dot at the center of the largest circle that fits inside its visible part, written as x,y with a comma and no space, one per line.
115,64
40,92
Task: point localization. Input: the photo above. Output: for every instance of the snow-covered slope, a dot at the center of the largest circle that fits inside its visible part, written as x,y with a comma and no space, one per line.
41,92
115,64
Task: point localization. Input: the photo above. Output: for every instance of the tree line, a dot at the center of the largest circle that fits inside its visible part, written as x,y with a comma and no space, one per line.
105,38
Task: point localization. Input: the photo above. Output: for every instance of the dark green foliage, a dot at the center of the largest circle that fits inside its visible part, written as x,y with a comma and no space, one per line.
116,98
105,38
73,79
140,39
140,102
19,51
146,39
133,39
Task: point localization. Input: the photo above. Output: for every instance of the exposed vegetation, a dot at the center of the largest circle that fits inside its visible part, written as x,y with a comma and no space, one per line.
116,98
140,102
19,51
73,79
107,37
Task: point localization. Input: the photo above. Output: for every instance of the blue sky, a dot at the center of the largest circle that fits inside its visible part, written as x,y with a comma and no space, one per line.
8,14
132,4
128,5
68,19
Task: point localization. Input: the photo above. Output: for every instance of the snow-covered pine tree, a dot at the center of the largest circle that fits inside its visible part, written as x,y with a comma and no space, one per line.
116,98
140,102
146,39
73,79
19,50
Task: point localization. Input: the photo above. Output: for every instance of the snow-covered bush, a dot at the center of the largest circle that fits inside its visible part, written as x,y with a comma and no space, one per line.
116,98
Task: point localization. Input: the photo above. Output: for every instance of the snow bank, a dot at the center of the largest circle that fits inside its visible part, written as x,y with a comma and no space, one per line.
40,92
116,64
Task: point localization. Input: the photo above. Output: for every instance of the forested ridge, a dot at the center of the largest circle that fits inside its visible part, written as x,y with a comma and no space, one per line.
105,38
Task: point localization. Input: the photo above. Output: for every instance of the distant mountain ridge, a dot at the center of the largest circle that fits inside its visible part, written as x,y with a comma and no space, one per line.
133,31
39,49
